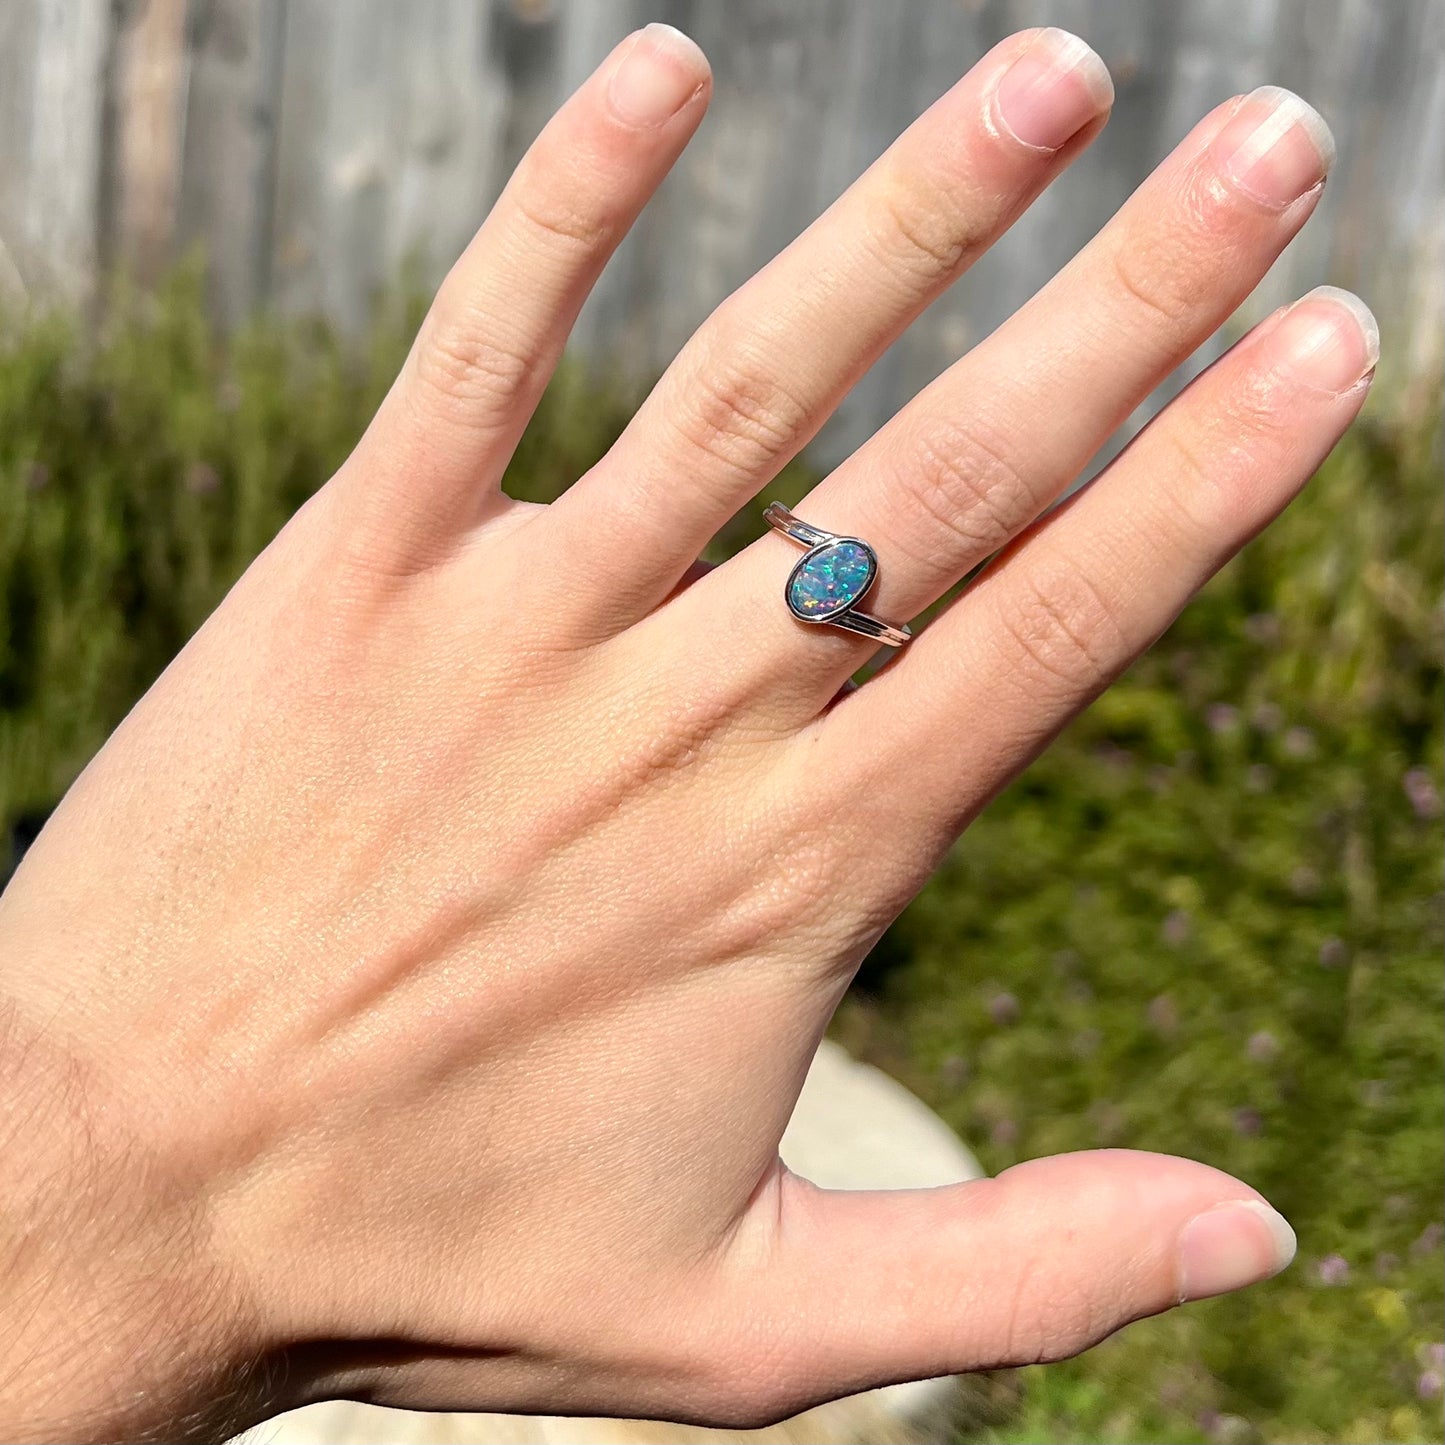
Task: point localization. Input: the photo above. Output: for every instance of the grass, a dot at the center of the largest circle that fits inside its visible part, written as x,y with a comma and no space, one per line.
1208,921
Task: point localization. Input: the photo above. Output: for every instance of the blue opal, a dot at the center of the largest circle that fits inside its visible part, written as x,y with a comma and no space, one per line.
830,579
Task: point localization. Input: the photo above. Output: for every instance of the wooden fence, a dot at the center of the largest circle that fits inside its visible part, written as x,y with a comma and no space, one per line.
311,146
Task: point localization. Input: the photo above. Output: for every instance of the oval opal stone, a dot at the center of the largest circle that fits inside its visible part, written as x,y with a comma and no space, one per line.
834,577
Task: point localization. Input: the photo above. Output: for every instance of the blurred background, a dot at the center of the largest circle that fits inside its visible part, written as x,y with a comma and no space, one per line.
314,147
1209,921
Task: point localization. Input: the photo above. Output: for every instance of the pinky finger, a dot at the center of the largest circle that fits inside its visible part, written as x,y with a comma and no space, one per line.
1077,598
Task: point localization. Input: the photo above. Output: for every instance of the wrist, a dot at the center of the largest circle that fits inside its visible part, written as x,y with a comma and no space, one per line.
116,1319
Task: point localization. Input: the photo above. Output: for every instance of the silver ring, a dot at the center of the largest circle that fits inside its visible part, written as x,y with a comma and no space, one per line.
831,577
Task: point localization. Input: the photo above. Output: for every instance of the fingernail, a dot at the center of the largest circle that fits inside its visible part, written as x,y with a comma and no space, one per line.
1230,1246
1052,90
658,73
1275,147
1329,338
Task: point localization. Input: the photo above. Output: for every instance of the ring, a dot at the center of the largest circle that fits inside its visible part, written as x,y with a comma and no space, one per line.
830,577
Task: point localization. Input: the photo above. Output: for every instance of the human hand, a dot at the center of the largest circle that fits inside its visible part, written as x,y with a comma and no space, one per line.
414,990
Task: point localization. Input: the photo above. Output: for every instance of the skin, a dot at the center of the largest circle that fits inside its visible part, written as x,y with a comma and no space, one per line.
408,1000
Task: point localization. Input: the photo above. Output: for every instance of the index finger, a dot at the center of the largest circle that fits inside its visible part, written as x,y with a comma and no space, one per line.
496,329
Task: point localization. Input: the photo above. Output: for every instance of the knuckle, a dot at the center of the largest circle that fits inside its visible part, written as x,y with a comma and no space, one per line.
960,478
1211,466
1191,466
1257,412
1051,1319
917,230
548,213
1200,492
464,364
739,415
1213,217
1175,267
1147,282
1061,631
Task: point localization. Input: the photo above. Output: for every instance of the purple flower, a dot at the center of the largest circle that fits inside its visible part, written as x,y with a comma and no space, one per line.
202,479
1333,1269
1262,1046
1163,1014
1221,717
1248,1123
1424,796
1176,927
1334,953
1430,1239
1262,627
953,1071
1004,1134
1430,1384
1299,742
1386,1263
1304,882
1003,1008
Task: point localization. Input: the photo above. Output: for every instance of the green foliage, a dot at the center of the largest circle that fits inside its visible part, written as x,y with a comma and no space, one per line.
1207,921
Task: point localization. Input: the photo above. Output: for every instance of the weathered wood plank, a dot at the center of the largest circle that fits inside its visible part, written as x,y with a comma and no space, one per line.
53,57
391,132
149,79
228,165
311,147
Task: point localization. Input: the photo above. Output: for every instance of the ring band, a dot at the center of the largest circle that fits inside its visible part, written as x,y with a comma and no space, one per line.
830,577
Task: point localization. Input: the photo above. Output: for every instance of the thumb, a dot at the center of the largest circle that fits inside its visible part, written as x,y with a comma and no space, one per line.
864,1289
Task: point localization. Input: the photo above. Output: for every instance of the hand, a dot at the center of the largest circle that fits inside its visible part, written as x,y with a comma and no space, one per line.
415,988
